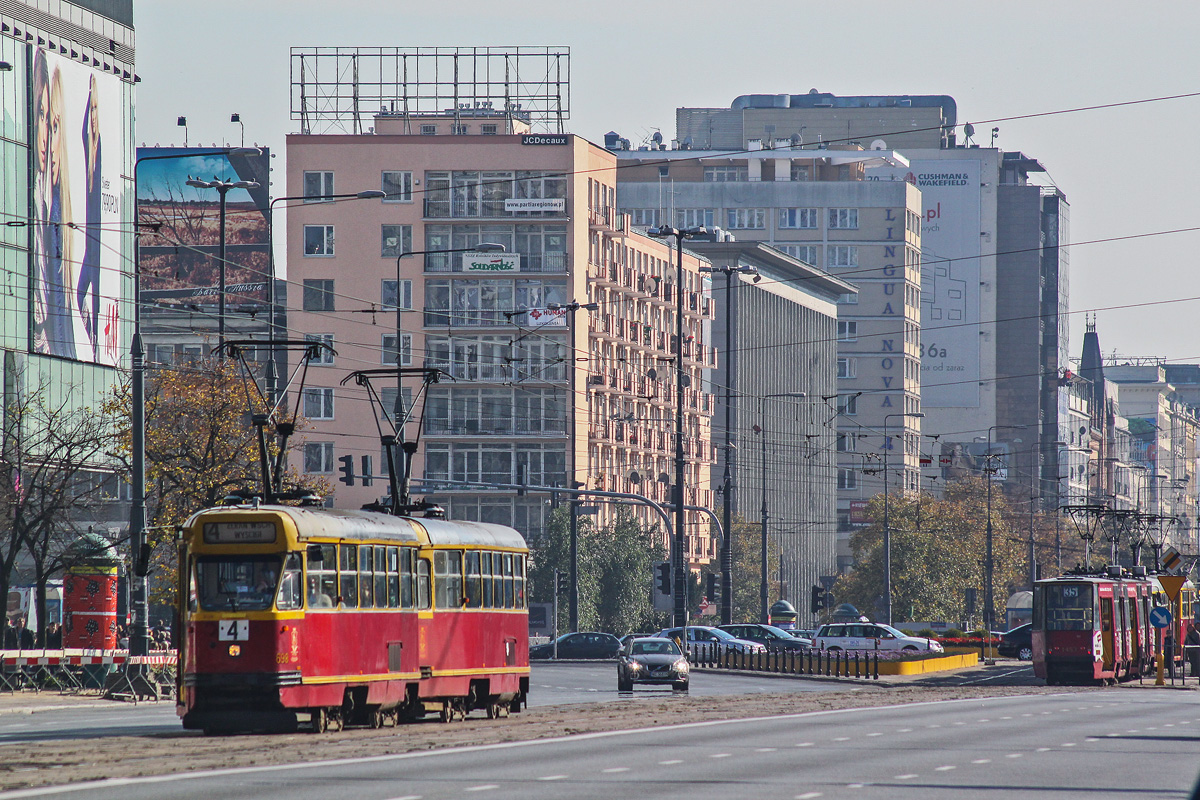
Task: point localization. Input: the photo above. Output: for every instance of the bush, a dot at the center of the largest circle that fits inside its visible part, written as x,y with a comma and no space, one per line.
952,633
927,633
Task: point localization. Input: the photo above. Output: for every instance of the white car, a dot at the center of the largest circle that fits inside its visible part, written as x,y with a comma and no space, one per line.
706,642
870,636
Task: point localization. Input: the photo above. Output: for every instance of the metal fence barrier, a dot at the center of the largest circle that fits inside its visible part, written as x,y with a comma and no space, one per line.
829,663
76,671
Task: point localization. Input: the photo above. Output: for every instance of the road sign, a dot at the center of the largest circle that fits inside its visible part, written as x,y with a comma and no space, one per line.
1172,584
1160,616
707,609
1171,559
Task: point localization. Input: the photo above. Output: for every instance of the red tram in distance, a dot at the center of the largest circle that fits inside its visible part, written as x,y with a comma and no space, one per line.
1096,628
312,618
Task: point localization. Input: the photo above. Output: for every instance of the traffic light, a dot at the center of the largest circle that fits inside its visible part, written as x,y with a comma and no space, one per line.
564,582
970,598
713,590
818,599
347,470
663,577
368,476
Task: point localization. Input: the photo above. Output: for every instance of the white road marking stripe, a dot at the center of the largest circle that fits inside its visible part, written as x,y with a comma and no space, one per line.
552,777
982,761
1043,750
720,755
808,796
487,787
841,738
906,776
877,733
764,749
805,744
1068,744
946,768
1014,755
671,762
616,769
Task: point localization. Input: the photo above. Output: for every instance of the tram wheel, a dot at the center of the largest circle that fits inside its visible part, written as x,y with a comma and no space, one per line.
335,721
320,720
375,718
497,709
447,712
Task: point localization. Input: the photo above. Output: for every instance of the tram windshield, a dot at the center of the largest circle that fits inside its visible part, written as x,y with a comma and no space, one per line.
1069,607
237,583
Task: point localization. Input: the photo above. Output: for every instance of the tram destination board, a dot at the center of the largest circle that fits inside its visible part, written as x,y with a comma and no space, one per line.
239,532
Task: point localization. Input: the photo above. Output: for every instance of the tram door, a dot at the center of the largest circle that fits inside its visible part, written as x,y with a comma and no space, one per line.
1106,631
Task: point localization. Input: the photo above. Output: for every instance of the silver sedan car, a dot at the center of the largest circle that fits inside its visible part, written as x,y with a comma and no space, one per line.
651,660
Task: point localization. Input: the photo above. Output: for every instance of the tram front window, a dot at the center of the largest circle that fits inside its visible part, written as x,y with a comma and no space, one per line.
245,583
1069,608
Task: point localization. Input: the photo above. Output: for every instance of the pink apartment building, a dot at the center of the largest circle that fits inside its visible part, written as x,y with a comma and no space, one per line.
558,353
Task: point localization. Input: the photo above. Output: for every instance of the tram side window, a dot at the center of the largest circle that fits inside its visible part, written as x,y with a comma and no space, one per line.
423,583
447,576
289,596
519,580
1070,608
366,583
508,580
348,574
381,577
393,577
497,580
322,577
485,578
408,557
474,587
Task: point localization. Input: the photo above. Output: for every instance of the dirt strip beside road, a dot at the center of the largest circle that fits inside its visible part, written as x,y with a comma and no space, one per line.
73,760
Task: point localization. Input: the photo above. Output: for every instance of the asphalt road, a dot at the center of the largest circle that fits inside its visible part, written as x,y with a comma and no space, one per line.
1122,743
550,685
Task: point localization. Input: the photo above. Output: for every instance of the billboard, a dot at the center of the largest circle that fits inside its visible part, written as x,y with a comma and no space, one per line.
950,270
181,228
78,157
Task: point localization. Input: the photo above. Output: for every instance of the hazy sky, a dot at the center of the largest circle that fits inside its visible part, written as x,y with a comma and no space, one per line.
1126,171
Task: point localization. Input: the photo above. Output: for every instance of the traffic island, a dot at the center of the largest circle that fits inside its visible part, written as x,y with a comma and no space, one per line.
921,666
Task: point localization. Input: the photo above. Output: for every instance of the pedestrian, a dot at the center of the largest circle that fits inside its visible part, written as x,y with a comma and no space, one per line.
54,636
1191,648
9,642
21,637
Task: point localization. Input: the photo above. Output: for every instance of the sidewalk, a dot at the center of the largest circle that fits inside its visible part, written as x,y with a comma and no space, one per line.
30,702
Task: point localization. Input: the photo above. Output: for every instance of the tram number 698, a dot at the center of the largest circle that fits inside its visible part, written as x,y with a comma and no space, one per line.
233,630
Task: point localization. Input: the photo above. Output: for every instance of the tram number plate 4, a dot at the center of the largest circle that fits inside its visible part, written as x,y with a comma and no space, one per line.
233,630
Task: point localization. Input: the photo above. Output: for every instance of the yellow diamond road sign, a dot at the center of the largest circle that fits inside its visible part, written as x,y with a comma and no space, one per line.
1171,559
1171,585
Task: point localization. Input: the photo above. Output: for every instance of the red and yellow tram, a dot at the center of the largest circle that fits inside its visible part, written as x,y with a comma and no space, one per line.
299,617
1096,628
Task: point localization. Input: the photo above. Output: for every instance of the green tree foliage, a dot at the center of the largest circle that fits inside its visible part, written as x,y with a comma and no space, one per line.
615,564
747,570
938,552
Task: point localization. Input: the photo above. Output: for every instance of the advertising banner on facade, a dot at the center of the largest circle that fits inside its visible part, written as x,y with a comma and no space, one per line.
181,228
78,158
491,262
950,269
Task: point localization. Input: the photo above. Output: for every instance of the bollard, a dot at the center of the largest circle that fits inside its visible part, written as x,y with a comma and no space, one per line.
808,668
856,672
828,665
876,665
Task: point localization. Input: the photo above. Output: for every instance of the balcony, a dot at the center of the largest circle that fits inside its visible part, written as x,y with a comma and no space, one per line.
602,217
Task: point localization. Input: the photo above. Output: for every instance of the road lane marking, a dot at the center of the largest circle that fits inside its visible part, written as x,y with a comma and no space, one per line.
876,733
946,768
841,738
764,749
982,761
1006,718
1013,755
487,787
671,762
805,744
1043,750
552,778
855,785
1068,744
720,755
616,769
906,776
904,730
808,796
407,797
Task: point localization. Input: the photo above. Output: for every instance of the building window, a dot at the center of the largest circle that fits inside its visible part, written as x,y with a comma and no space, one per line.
799,172
318,186
396,240
847,368
694,217
318,295
847,331
725,174
318,457
746,218
848,299
389,349
458,130
848,405
488,130
387,397
844,218
397,186
429,130
847,443
324,355
805,252
647,217
843,255
318,403
318,240
388,295
798,218
847,479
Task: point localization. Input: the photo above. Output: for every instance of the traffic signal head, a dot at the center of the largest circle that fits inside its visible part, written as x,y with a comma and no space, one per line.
663,577
818,599
347,470
564,582
713,590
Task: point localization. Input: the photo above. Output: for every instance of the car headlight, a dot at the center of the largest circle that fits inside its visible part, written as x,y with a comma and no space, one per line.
634,666
681,665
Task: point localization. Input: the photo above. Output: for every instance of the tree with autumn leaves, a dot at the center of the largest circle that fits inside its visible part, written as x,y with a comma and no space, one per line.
939,548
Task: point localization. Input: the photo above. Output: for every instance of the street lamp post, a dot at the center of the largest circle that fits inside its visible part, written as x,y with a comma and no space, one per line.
887,527
139,639
366,194
223,188
678,234
402,498
727,479
989,605
763,610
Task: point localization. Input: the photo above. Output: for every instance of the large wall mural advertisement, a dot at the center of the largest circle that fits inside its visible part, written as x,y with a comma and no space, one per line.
180,227
77,230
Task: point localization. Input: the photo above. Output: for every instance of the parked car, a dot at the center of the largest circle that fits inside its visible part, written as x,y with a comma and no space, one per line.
870,636
772,637
627,638
1017,643
705,641
651,660
579,645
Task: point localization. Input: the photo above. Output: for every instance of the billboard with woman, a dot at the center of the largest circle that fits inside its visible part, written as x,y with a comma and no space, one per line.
77,232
